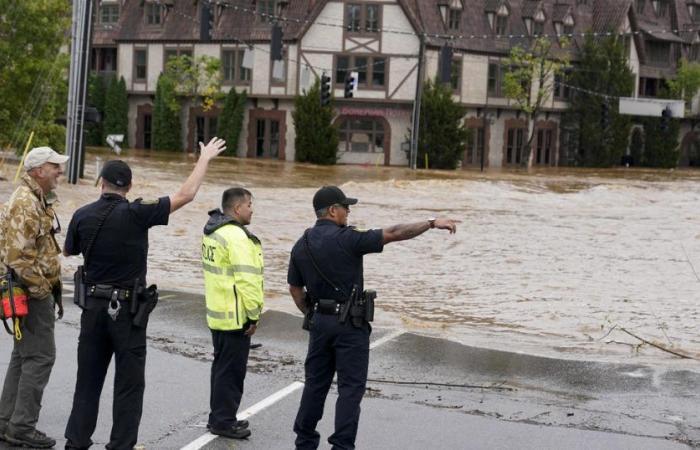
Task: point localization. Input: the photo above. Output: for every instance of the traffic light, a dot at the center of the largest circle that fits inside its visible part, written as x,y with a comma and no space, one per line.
445,64
276,43
206,22
349,85
604,115
666,115
325,90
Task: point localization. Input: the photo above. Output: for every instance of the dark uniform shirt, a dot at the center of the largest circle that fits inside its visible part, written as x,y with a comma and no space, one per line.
338,252
120,251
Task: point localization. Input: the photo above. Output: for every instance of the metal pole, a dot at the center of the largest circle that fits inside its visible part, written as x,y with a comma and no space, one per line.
416,105
77,87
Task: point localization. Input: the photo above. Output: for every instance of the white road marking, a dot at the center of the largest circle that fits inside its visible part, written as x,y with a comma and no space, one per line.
272,399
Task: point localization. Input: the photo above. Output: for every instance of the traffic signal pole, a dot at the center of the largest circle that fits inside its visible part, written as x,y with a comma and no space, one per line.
416,106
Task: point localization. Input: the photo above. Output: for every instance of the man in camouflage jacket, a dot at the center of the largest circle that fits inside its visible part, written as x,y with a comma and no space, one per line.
29,247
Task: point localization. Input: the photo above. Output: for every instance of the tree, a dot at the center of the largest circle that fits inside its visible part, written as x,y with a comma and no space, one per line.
443,136
231,120
602,68
166,116
687,82
316,138
116,117
97,92
200,77
529,81
661,147
32,87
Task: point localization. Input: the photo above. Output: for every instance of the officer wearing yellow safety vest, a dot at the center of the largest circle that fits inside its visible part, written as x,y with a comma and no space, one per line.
232,261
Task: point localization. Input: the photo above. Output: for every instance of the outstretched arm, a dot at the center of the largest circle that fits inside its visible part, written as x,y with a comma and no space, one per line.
406,231
189,188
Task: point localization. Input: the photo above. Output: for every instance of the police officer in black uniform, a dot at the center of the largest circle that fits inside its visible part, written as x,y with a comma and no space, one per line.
325,277
114,233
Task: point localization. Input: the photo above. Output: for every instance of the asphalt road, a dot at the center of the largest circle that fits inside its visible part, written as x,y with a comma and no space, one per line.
423,393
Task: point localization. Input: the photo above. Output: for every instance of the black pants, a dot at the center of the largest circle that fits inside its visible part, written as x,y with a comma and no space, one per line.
333,347
100,337
227,374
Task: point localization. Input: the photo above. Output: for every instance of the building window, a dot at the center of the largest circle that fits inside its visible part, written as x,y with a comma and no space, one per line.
154,13
141,65
454,18
538,28
696,13
371,71
456,74
266,10
205,129
501,24
362,18
109,14
232,67
171,53
640,6
543,147
561,90
496,79
658,52
362,135
514,145
476,145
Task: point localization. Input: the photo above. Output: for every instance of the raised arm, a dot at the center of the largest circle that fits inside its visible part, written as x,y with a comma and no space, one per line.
406,231
189,188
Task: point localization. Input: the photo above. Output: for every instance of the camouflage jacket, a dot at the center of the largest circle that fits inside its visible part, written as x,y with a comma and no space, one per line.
27,242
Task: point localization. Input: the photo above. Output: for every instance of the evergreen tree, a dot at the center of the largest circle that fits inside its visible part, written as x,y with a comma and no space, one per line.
602,68
661,147
166,116
231,120
316,137
443,136
96,97
116,115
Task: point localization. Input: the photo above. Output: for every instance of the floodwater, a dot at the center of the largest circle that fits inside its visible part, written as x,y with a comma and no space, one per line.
544,263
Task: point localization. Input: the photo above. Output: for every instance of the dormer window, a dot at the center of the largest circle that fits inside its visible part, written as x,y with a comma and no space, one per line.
565,26
500,25
694,10
109,13
454,17
660,7
538,26
154,13
640,6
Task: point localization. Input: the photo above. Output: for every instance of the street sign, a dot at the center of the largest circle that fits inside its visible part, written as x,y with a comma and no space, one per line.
113,140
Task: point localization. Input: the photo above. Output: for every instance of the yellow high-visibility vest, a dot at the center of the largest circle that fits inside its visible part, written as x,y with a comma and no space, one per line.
232,261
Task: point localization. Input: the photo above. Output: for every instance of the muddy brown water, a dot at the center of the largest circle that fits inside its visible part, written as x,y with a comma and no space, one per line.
545,262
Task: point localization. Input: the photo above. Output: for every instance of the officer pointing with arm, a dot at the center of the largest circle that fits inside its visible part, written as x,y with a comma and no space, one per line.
326,282
112,235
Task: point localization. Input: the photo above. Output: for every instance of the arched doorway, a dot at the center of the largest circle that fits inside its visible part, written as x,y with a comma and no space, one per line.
690,150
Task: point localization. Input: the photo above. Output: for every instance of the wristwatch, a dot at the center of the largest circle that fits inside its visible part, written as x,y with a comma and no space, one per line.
431,221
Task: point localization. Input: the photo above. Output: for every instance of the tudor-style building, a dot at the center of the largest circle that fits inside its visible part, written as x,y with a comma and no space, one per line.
379,39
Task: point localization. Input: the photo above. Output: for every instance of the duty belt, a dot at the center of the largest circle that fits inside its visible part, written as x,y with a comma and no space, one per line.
108,292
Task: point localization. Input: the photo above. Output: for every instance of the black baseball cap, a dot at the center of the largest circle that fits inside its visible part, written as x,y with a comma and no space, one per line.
331,195
117,172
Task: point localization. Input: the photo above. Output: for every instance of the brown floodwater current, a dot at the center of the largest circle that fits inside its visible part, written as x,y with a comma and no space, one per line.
545,262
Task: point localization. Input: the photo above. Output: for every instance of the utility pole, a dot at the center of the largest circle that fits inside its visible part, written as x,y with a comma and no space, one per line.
81,35
416,105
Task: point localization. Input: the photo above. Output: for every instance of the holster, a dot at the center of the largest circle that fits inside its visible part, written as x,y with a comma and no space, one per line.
308,316
80,288
147,300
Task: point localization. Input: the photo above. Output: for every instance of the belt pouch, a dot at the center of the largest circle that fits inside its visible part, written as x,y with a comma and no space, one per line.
80,288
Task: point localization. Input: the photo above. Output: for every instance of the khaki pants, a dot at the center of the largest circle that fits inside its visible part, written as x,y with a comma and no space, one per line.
30,368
